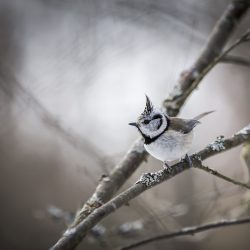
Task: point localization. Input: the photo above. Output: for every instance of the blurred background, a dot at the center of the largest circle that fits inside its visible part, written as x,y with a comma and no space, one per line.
73,74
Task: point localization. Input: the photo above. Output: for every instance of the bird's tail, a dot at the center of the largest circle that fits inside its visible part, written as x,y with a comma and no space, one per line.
198,117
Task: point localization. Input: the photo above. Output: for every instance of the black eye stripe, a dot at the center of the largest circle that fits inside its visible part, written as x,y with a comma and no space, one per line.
153,118
156,117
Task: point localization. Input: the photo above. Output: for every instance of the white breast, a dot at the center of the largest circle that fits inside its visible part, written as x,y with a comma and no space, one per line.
170,146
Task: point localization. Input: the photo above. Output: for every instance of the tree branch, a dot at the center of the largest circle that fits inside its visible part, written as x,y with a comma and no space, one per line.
108,186
73,236
188,231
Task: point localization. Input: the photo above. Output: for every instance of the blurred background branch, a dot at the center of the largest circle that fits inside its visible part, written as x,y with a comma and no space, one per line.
189,231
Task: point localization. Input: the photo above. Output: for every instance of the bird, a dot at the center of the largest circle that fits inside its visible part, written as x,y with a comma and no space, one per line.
166,138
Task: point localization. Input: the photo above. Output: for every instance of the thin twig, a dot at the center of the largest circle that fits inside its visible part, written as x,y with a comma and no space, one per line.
236,60
221,176
73,236
136,155
188,231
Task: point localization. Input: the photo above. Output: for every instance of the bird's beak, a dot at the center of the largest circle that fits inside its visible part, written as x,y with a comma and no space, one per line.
133,124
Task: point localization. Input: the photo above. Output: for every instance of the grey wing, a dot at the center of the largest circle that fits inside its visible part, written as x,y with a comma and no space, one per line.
182,125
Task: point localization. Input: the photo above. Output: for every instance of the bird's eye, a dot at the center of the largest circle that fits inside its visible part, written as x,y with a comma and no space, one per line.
146,122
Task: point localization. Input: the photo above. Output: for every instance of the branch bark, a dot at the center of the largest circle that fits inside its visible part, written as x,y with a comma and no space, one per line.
188,231
73,236
189,80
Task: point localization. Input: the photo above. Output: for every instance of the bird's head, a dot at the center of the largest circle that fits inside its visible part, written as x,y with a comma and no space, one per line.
152,122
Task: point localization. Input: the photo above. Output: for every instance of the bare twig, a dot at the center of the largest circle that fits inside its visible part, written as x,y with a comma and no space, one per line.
236,60
188,82
188,231
73,236
221,176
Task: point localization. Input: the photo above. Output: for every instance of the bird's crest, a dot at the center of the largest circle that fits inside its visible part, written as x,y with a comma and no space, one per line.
148,108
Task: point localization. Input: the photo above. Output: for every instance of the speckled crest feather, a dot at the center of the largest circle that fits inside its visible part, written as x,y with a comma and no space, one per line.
149,107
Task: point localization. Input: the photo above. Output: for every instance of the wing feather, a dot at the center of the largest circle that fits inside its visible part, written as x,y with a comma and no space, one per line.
182,125
186,125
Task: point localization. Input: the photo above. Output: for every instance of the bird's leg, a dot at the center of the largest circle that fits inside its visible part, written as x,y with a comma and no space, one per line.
166,167
188,159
